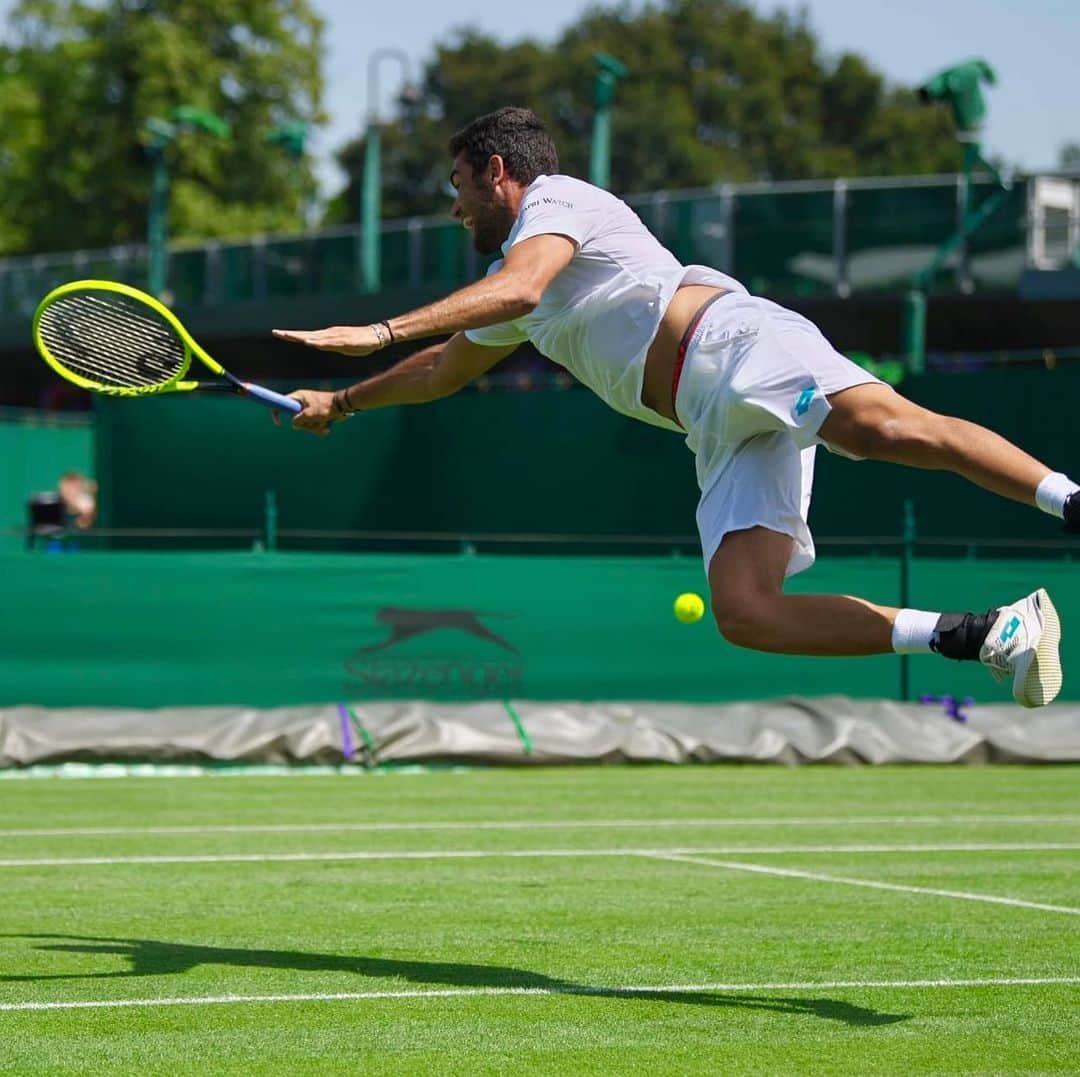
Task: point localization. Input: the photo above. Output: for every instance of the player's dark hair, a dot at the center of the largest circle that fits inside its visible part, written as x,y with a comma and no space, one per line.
517,135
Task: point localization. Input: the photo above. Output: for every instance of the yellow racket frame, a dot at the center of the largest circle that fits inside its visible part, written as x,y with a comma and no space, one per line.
175,384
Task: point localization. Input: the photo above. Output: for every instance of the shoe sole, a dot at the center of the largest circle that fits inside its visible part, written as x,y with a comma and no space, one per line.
1042,680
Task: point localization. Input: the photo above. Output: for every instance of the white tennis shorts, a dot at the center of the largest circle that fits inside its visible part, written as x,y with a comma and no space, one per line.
752,397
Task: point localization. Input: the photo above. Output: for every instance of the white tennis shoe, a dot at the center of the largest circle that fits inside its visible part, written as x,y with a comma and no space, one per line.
1023,644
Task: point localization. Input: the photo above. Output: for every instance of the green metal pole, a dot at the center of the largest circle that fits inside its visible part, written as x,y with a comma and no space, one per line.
609,73
907,551
914,330
371,212
971,158
600,150
271,521
157,228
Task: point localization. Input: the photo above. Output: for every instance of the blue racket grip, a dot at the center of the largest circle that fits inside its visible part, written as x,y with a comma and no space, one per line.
272,399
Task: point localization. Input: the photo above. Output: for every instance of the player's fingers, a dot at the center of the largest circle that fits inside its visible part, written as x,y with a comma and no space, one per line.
305,421
298,336
324,339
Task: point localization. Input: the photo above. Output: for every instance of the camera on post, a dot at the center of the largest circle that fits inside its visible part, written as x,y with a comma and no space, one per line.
960,87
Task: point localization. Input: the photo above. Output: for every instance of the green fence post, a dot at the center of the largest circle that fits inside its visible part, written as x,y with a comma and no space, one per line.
906,554
371,178
914,330
157,227
270,521
450,250
609,73
371,212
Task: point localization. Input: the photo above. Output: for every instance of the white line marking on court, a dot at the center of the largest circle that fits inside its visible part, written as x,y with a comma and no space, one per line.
487,854
872,884
483,992
544,824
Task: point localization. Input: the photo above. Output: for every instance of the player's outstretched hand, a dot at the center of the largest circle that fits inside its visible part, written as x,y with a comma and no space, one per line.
346,339
319,412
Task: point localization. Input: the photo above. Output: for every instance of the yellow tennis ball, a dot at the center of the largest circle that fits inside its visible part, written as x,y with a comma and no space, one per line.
689,608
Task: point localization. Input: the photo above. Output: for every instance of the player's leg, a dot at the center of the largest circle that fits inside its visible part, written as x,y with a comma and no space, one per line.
759,387
746,584
746,578
875,422
754,534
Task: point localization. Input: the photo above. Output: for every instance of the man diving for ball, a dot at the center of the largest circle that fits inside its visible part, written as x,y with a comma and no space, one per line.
753,387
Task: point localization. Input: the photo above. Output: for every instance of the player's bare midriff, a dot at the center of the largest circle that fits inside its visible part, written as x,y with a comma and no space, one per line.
660,358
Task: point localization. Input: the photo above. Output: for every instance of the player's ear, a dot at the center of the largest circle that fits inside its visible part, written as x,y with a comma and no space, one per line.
496,169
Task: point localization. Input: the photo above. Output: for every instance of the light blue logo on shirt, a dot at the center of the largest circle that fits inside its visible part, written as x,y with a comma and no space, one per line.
802,405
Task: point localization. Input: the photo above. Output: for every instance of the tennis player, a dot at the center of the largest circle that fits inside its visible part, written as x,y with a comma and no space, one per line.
754,388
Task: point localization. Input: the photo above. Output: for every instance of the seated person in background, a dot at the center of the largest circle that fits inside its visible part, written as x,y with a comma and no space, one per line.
79,497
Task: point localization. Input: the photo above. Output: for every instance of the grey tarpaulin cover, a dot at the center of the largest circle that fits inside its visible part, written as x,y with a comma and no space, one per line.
794,730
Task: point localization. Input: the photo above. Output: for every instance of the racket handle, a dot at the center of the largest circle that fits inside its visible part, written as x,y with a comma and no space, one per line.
271,399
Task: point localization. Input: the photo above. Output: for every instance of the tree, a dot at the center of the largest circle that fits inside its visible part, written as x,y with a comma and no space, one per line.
717,93
1069,155
79,80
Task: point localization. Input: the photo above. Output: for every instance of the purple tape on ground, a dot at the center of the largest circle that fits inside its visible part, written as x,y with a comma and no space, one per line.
348,749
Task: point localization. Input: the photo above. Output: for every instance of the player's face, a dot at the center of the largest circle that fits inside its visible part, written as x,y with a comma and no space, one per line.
481,205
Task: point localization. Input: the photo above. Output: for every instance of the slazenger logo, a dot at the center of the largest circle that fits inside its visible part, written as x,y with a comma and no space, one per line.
432,655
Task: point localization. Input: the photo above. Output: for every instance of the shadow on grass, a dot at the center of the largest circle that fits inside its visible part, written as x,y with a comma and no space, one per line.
150,957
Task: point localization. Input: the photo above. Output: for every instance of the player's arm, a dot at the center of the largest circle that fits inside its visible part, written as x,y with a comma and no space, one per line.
511,293
430,374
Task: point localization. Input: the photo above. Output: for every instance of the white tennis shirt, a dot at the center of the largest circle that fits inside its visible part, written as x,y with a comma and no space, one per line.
598,317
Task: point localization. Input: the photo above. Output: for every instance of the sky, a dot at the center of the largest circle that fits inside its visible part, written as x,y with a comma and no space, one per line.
1032,44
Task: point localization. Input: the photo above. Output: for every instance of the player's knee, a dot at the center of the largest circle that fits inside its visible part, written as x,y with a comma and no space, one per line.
743,620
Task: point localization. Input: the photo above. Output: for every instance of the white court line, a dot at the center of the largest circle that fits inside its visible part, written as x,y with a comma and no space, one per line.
486,992
489,854
546,824
791,873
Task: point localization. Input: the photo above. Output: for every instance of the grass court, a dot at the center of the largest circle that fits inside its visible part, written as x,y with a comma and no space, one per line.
661,920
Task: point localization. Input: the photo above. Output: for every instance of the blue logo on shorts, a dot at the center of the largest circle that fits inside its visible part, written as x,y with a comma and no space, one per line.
802,405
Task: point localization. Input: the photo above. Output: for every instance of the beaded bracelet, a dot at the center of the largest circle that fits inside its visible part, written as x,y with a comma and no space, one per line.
342,404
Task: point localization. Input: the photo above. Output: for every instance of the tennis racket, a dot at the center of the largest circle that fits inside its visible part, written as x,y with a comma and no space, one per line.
112,338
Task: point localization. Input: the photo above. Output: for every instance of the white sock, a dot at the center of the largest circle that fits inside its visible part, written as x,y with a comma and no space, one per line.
1051,493
913,630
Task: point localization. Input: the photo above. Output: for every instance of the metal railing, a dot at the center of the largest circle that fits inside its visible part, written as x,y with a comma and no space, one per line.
266,537
835,237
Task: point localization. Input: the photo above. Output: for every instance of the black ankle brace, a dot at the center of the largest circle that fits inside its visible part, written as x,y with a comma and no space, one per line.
1072,514
960,635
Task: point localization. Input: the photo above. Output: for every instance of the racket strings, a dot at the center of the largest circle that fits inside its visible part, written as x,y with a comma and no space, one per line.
112,340
112,351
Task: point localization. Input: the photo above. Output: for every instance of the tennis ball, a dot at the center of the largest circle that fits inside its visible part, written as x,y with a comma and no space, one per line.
689,608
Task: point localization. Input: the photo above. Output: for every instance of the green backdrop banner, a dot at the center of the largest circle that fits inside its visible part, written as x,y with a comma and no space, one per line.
547,461
148,630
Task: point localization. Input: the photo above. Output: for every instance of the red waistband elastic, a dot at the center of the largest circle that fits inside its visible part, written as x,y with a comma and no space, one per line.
684,345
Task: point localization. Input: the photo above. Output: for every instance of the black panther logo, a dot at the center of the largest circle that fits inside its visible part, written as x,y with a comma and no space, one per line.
407,624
